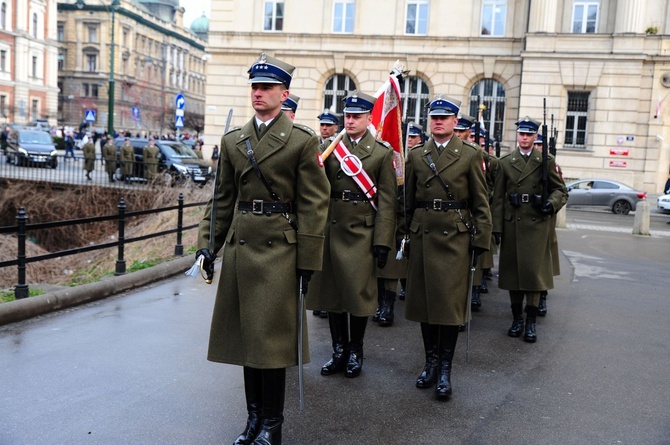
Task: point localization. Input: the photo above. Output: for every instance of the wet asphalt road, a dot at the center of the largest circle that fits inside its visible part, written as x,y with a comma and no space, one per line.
132,370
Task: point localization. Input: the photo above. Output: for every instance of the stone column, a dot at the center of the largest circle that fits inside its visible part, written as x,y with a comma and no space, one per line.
630,16
543,16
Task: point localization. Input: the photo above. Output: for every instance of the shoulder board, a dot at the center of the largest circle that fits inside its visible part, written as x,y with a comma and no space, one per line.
233,129
305,128
417,146
505,155
472,145
385,144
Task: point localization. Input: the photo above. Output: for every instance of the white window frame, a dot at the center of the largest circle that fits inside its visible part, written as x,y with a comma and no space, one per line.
585,5
492,7
421,17
346,18
273,25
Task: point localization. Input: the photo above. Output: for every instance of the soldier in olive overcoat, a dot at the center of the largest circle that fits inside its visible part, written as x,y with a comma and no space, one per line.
270,244
358,236
150,160
127,160
523,219
89,157
449,223
109,153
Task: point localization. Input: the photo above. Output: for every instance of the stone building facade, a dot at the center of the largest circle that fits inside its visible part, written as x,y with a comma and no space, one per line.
603,67
155,58
28,54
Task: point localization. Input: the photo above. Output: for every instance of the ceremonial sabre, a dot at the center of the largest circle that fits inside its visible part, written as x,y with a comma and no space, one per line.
209,273
473,265
301,308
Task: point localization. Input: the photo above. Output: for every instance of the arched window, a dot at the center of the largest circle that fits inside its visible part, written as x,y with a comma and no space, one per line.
3,15
34,24
415,95
491,94
337,88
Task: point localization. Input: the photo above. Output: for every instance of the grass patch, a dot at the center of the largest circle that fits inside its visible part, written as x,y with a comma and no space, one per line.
142,264
7,296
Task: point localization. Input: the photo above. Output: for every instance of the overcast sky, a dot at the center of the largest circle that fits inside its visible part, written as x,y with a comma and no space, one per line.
194,9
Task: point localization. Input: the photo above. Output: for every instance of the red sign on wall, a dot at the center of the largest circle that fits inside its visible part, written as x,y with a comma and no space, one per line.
618,164
619,151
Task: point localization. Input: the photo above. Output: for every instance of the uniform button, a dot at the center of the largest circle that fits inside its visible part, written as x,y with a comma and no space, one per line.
518,185
334,221
445,232
269,243
242,241
518,219
339,177
355,203
425,231
244,212
427,186
244,181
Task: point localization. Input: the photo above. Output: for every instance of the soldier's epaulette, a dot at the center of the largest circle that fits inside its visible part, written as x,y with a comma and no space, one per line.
233,129
385,144
471,145
304,128
417,146
505,155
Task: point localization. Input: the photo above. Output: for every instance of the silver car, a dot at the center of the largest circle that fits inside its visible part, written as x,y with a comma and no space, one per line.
618,197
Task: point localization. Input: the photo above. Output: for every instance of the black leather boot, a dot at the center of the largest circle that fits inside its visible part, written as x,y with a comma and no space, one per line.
476,301
430,335
386,315
274,384
447,346
355,364
339,333
403,284
529,334
483,288
253,391
380,299
542,307
517,324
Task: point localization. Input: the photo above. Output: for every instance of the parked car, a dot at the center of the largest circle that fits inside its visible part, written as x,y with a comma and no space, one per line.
31,147
618,197
663,203
176,161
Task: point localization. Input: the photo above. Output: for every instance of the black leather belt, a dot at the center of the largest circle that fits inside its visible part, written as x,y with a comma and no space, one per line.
439,204
348,195
258,206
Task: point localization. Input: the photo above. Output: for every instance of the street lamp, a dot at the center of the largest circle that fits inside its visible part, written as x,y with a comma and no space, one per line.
110,92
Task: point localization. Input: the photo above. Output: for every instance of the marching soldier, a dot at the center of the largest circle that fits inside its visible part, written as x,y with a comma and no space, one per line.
150,159
449,223
542,306
290,106
89,157
109,153
359,235
328,125
523,221
414,135
270,184
127,160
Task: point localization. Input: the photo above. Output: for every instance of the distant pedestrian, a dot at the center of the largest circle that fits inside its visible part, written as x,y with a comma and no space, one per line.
109,153
89,158
215,153
69,145
666,188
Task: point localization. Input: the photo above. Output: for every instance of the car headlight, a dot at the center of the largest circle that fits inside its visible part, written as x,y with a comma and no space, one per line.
23,151
180,168
209,170
53,153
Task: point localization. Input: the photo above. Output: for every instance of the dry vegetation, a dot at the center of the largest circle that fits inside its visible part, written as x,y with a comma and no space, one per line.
45,202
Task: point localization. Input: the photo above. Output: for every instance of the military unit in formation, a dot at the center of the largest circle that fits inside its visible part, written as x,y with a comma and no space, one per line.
291,213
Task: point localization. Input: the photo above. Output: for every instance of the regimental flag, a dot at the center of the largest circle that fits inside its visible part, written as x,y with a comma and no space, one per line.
387,120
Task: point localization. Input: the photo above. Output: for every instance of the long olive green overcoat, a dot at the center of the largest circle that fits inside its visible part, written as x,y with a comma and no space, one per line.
348,282
127,159
109,153
150,160
525,251
440,241
89,156
395,269
254,322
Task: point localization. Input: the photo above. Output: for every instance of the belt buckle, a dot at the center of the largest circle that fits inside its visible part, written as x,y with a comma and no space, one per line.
257,206
525,197
346,195
437,204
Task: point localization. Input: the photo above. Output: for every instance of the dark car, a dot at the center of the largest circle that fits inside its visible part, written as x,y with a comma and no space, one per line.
176,161
32,148
617,197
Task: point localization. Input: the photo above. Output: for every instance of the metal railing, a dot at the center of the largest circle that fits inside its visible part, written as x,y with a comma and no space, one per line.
69,170
22,228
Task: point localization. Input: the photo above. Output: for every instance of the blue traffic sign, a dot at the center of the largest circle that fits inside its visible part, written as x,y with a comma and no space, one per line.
135,113
179,122
180,101
90,116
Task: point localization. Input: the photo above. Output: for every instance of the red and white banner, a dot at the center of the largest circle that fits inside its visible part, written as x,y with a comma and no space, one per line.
387,122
